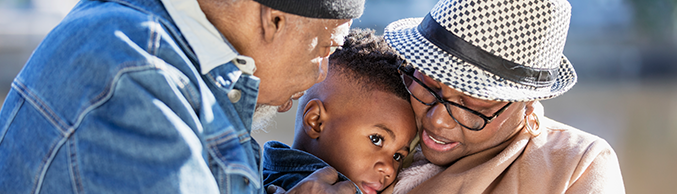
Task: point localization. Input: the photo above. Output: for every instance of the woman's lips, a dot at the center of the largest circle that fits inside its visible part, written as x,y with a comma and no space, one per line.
437,143
371,188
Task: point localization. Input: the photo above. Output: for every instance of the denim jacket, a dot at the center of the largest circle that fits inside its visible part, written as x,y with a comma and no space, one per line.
286,167
113,101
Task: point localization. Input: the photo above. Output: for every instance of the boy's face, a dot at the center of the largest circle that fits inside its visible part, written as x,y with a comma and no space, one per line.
367,138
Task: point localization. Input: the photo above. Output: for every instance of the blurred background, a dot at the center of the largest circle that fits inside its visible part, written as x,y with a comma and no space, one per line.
625,53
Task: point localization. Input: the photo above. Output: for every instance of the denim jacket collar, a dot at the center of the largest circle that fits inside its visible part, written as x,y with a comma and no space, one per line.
282,158
279,157
211,48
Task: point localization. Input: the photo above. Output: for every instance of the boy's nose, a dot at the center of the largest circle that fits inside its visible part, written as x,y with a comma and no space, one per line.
386,169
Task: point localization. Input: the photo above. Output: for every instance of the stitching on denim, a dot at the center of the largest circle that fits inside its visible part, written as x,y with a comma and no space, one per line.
231,167
51,116
74,167
155,39
181,81
10,119
193,99
223,137
244,136
175,32
219,164
243,171
152,37
221,177
155,36
104,96
40,106
190,98
228,184
46,162
213,147
211,78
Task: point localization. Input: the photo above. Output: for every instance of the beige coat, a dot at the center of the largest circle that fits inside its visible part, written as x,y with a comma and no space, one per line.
562,159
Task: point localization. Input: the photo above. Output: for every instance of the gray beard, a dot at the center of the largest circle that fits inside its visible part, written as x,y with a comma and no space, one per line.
263,117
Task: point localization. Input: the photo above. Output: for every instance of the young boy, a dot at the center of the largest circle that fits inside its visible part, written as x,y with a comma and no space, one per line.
358,120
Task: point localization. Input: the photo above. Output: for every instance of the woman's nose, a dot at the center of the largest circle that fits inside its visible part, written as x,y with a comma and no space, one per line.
440,118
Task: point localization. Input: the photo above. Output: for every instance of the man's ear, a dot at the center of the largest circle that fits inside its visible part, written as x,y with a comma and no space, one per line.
314,115
272,22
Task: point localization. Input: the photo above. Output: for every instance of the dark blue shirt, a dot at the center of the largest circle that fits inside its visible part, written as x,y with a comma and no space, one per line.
286,167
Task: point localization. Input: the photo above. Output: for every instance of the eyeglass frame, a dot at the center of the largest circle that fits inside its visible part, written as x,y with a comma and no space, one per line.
409,72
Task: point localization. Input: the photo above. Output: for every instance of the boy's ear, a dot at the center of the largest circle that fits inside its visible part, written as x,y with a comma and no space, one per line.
313,118
272,22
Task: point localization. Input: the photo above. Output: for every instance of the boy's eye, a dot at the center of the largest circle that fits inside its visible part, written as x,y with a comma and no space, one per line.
376,140
398,157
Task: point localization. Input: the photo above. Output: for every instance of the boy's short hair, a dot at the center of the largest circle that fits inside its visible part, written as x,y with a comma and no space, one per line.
366,59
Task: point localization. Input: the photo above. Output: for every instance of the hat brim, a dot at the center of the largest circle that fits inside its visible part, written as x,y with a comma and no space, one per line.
434,62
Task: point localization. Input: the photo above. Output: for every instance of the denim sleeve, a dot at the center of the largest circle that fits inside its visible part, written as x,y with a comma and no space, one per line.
110,102
96,112
142,139
141,136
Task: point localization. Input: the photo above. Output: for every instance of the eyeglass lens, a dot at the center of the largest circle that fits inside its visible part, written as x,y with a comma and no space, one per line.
464,116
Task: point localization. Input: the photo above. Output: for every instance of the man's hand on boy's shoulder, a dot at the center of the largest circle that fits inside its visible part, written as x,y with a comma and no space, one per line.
321,181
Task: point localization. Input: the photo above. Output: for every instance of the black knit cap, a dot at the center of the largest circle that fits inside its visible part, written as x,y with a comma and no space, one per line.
328,9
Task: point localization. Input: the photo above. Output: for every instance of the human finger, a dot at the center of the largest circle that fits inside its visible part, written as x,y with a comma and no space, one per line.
320,181
326,175
274,189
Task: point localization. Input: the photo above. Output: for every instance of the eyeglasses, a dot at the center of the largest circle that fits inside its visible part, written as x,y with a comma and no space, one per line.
464,116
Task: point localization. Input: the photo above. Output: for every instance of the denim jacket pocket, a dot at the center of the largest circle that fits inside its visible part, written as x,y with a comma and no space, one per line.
235,170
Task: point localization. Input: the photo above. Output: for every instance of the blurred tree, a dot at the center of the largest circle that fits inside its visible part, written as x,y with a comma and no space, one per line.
16,4
655,26
654,20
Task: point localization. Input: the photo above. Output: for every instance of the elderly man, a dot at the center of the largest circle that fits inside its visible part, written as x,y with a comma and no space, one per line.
159,96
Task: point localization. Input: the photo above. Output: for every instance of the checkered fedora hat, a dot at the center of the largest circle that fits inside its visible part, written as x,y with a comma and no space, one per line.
503,50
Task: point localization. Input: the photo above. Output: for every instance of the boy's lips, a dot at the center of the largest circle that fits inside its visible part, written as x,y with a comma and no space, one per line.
437,143
371,188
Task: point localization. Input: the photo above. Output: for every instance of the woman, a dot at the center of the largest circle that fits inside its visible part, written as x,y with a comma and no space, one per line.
476,72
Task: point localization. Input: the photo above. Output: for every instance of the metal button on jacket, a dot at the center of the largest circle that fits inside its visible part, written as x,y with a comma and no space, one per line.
235,95
246,181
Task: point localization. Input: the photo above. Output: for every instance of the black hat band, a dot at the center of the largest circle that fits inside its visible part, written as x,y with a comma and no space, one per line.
452,44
